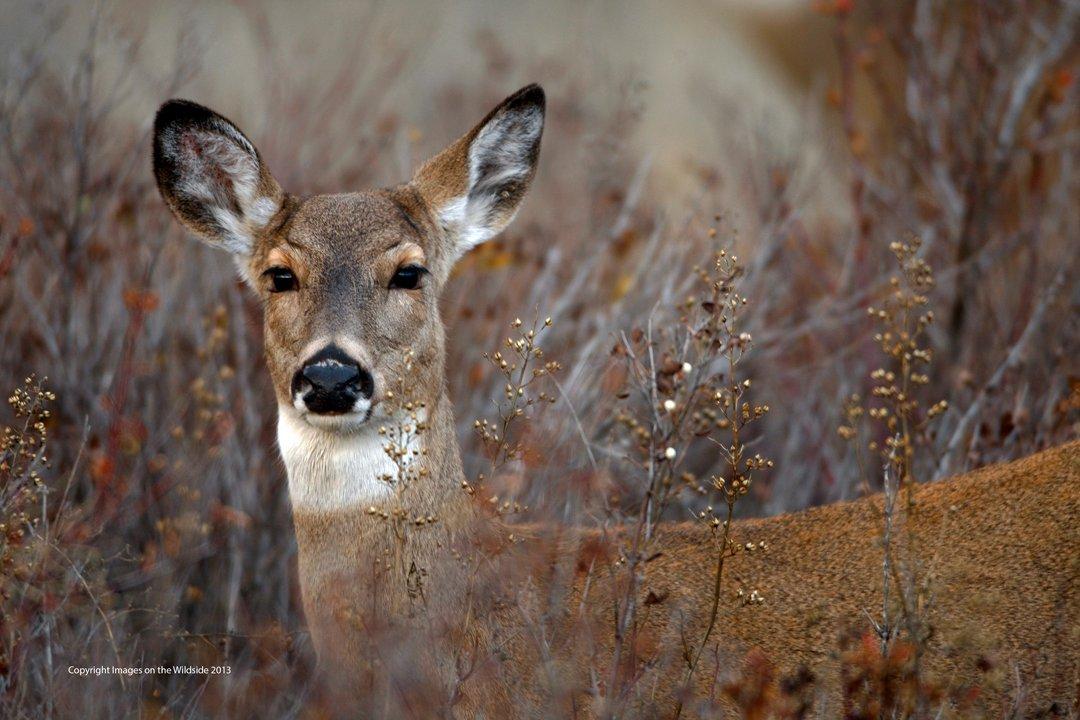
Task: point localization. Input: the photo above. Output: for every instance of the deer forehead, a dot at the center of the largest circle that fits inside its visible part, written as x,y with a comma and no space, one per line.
354,224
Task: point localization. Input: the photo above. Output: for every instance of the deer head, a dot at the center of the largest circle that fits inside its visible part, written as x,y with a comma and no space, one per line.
347,281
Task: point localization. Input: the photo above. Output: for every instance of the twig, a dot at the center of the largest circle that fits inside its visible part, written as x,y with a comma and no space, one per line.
950,460
577,423
1059,43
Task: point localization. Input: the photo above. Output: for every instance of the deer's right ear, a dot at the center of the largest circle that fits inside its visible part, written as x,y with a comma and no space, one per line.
212,177
475,186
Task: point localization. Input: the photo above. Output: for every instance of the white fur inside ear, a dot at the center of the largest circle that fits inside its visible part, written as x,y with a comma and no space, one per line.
455,218
219,165
502,154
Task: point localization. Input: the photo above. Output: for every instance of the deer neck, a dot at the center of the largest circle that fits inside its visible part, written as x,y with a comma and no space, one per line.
340,494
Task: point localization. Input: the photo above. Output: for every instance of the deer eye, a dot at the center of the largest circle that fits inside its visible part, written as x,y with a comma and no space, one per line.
281,279
408,277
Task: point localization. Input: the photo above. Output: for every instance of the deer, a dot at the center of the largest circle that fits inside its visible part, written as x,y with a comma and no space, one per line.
407,624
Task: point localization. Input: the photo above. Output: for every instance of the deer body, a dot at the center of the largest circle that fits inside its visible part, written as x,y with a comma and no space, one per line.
997,554
400,602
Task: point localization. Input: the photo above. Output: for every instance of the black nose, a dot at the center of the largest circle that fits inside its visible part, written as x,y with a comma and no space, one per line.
331,382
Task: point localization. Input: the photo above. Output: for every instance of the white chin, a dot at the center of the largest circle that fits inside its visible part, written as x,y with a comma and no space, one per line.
345,422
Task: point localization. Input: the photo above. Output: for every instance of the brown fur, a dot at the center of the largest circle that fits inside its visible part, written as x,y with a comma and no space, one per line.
997,550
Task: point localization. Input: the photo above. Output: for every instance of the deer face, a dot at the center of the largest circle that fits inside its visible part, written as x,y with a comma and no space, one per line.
348,282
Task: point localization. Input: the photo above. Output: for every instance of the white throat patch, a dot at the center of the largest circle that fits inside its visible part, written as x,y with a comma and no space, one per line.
330,471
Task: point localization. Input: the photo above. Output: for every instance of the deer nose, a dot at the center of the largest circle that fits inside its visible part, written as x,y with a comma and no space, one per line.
331,383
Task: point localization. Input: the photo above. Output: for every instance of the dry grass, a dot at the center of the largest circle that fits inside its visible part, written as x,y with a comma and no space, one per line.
159,532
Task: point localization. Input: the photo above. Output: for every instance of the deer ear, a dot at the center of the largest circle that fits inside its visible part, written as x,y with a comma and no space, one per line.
476,185
212,177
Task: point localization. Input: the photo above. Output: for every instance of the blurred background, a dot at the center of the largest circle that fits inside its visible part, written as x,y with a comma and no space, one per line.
677,62
805,137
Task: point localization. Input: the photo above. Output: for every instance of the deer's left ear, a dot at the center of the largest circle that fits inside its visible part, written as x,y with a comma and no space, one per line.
475,186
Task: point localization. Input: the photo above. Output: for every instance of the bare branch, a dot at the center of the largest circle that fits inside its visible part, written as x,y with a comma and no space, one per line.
951,460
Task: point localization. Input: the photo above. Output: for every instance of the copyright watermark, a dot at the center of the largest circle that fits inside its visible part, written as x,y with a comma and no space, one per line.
128,671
